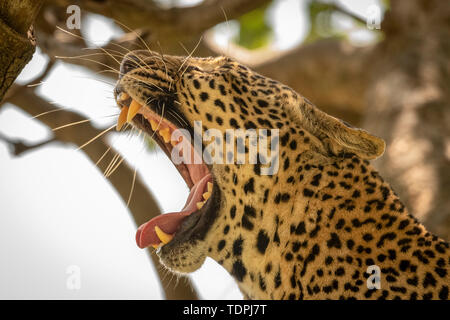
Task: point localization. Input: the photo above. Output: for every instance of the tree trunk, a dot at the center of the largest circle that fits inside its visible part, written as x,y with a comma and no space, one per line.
17,44
409,106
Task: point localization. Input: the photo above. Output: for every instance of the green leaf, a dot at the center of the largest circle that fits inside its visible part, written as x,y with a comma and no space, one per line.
254,32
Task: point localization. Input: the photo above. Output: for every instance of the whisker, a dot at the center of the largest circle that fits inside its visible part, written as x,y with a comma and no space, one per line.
104,154
90,60
177,116
192,52
109,148
96,79
141,79
184,48
133,31
81,121
228,27
113,166
47,112
71,124
165,65
134,178
116,53
77,36
132,186
83,57
97,136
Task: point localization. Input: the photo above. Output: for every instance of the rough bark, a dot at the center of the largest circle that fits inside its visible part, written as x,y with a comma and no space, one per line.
409,106
17,44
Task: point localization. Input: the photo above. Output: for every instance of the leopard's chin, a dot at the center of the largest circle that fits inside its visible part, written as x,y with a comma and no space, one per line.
176,236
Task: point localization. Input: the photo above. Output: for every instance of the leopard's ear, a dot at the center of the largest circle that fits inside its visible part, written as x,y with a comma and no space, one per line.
337,137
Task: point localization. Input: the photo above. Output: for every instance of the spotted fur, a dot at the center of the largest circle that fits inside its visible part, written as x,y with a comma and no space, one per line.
311,230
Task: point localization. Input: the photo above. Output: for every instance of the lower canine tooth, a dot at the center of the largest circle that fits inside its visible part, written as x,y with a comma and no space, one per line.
164,237
122,118
210,185
200,204
133,110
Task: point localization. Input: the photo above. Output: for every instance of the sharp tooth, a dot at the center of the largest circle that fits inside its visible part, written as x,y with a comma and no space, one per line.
210,185
154,124
206,195
155,246
133,110
122,118
200,205
123,96
165,133
164,237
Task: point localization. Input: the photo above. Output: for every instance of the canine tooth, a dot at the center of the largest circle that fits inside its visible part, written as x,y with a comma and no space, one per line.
123,96
153,124
133,110
165,133
155,246
122,118
210,185
206,195
164,237
200,205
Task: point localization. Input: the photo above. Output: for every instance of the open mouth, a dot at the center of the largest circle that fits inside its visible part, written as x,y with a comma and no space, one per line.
163,228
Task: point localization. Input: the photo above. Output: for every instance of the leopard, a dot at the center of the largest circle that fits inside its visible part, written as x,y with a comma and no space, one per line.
324,225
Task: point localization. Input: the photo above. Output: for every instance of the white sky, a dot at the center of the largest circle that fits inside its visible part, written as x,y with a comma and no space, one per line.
56,209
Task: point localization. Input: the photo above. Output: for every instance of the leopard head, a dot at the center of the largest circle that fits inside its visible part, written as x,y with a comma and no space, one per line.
186,102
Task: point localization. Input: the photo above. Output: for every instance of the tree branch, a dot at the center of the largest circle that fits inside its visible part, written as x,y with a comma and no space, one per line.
19,147
189,21
142,207
338,8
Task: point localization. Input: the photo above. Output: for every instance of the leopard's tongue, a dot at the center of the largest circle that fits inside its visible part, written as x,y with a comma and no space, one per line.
169,222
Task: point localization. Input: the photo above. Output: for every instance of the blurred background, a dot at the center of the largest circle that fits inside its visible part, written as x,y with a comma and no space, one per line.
69,210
